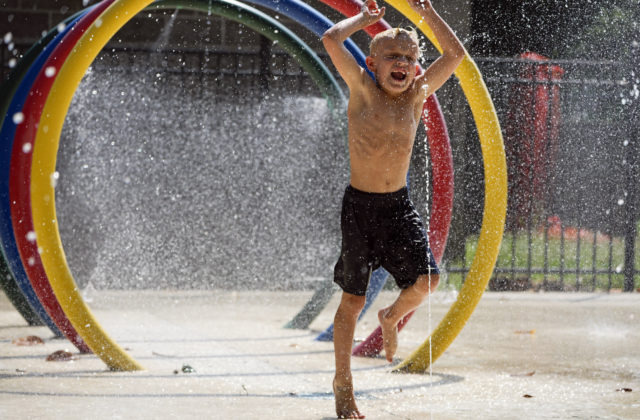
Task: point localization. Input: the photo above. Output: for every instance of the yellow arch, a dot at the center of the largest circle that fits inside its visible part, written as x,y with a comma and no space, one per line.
42,182
495,206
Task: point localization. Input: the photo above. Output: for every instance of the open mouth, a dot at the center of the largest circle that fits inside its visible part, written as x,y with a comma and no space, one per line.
398,75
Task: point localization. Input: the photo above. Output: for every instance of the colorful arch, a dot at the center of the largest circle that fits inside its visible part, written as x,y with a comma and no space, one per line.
7,281
493,217
318,24
47,137
495,207
442,162
495,172
19,87
20,238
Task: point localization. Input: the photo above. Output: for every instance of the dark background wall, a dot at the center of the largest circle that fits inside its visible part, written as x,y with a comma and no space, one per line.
508,28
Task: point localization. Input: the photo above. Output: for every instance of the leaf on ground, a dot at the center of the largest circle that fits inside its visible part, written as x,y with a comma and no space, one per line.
624,390
527,396
30,340
60,356
524,374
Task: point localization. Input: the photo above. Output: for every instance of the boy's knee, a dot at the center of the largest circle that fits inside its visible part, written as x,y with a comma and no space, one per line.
352,304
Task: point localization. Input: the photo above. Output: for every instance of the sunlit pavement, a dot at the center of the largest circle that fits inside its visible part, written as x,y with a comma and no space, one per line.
521,356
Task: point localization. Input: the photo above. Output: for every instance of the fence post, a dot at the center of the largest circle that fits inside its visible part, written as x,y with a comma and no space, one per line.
632,173
265,61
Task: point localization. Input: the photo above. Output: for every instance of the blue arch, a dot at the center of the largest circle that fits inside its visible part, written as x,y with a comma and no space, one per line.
318,24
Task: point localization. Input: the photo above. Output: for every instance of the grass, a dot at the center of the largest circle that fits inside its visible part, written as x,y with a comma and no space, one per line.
516,252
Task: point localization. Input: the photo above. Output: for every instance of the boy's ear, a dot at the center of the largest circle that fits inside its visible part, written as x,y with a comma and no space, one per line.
371,64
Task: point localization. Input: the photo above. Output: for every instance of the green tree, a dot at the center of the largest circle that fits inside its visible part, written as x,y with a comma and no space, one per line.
610,35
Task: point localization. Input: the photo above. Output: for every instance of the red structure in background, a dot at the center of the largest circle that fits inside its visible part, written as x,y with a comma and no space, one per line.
532,137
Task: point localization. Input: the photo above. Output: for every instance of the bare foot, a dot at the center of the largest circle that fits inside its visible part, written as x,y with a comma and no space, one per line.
346,402
389,335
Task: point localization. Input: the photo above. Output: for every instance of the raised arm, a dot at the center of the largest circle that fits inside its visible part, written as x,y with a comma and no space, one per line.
453,51
333,41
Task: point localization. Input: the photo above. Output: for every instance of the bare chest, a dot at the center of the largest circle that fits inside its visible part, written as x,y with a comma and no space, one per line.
383,127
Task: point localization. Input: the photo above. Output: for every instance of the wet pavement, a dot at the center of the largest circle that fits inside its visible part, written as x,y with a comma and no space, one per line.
224,355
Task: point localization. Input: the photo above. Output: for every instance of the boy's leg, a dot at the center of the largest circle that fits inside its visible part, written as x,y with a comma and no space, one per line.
344,326
409,299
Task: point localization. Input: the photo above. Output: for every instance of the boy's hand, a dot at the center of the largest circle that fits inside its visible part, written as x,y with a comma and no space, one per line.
419,5
371,12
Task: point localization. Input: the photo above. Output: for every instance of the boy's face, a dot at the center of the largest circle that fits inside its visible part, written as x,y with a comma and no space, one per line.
394,63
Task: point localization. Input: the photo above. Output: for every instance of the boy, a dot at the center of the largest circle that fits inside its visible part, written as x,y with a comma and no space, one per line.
379,225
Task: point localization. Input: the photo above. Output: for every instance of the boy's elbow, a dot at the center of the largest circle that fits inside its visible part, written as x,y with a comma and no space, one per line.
324,38
457,55
328,36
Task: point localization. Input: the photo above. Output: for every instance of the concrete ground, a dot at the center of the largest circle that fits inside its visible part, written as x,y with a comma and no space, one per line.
520,356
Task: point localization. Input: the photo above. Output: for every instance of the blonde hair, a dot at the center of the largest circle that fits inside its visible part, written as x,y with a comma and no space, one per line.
395,33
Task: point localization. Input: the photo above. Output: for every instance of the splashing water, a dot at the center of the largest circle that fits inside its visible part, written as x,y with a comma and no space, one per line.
428,229
50,71
18,118
217,191
163,39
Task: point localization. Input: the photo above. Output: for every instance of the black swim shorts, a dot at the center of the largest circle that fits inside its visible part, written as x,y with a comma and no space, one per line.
381,229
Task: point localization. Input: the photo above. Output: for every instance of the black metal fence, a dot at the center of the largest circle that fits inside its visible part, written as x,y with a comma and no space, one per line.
571,218
222,70
572,161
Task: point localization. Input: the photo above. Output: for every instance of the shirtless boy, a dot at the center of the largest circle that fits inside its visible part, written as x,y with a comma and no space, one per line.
380,226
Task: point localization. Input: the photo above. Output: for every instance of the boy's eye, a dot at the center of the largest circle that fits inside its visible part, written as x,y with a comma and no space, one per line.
396,57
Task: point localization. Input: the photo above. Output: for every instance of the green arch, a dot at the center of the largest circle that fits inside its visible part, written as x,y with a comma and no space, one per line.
273,30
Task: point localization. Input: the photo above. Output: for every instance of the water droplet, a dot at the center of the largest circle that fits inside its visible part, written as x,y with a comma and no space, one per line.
18,117
8,37
50,71
54,178
620,201
98,23
31,261
26,148
61,27
31,236
12,63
